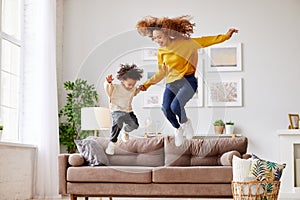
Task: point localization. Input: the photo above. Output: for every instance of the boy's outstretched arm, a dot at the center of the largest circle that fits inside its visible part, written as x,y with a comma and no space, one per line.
108,86
109,78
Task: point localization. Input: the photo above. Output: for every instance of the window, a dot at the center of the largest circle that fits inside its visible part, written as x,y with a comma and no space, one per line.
10,55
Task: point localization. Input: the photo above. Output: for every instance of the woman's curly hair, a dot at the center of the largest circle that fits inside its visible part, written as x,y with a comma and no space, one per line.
178,27
129,71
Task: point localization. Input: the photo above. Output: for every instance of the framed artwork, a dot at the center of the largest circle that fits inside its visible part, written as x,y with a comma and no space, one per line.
150,54
223,58
294,121
152,100
150,74
223,93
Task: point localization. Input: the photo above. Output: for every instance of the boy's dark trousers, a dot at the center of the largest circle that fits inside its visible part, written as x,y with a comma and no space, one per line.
118,119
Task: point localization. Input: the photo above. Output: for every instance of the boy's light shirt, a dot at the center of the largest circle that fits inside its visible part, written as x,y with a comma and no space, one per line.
120,98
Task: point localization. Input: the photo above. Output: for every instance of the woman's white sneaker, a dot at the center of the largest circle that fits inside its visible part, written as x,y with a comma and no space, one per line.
179,136
110,150
188,129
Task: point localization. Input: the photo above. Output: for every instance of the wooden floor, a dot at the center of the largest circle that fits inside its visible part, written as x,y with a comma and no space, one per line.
118,198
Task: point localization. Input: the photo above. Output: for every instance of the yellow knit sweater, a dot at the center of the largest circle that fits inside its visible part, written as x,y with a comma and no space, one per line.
180,58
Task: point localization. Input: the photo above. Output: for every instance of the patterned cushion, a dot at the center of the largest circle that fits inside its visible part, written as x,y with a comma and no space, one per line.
263,169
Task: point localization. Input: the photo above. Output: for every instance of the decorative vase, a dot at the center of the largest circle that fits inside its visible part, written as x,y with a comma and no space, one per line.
219,129
229,129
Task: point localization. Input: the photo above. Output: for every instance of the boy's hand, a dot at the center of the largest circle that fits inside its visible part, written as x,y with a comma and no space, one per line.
109,78
142,88
231,31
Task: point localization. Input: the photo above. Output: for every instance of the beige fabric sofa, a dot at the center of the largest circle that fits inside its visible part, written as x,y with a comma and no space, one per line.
155,167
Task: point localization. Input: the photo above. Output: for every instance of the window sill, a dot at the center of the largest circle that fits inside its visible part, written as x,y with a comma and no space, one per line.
12,144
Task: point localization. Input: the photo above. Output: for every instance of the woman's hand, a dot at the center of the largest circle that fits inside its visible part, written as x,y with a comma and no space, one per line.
231,31
142,88
109,78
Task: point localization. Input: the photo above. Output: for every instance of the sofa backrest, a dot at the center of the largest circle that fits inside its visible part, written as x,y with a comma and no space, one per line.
137,152
206,151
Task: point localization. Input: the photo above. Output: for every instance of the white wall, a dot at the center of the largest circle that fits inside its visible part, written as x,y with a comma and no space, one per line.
17,165
98,35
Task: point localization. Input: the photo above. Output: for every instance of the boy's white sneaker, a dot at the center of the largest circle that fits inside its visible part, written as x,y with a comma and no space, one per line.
188,129
110,150
125,136
178,136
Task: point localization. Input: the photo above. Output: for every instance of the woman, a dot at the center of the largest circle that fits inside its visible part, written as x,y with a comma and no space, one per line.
177,62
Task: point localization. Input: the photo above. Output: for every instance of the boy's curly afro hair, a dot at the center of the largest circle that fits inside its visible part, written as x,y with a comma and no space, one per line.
129,71
178,27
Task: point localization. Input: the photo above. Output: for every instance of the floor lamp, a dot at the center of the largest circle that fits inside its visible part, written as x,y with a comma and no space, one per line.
95,118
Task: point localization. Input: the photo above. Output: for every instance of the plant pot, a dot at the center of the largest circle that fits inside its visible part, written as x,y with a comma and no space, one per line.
229,129
219,129
0,135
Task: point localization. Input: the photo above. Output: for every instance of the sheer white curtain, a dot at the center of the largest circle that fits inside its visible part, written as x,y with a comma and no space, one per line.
38,117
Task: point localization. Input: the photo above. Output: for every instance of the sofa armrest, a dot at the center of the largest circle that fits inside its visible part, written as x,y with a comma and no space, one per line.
62,172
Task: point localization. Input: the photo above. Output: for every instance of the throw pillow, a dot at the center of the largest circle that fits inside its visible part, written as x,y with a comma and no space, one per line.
264,169
92,152
76,160
240,169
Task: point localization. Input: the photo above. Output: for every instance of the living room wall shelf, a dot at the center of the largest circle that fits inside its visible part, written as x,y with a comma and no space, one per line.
290,154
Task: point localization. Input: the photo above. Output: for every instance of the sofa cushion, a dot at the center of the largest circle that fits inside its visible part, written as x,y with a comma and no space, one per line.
136,152
205,152
203,174
105,174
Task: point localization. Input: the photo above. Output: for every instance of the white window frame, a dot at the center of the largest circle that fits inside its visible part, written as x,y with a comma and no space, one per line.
18,43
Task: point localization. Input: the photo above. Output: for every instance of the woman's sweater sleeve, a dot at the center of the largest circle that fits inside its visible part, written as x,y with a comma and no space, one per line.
211,40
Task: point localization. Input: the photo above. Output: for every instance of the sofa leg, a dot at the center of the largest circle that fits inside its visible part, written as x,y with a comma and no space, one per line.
73,197
86,198
110,198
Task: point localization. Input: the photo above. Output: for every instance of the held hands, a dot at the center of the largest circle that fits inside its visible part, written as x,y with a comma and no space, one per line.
109,78
231,31
142,88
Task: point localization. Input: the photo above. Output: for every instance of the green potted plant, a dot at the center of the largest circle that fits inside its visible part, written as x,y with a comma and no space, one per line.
1,129
229,127
219,126
79,94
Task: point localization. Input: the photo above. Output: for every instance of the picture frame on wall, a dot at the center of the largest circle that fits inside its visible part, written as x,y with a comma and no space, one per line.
224,58
152,100
224,92
294,121
149,54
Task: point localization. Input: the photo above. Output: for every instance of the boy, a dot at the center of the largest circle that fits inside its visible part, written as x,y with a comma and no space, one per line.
120,98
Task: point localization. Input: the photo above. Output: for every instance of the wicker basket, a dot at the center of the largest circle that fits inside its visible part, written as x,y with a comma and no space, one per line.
255,190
